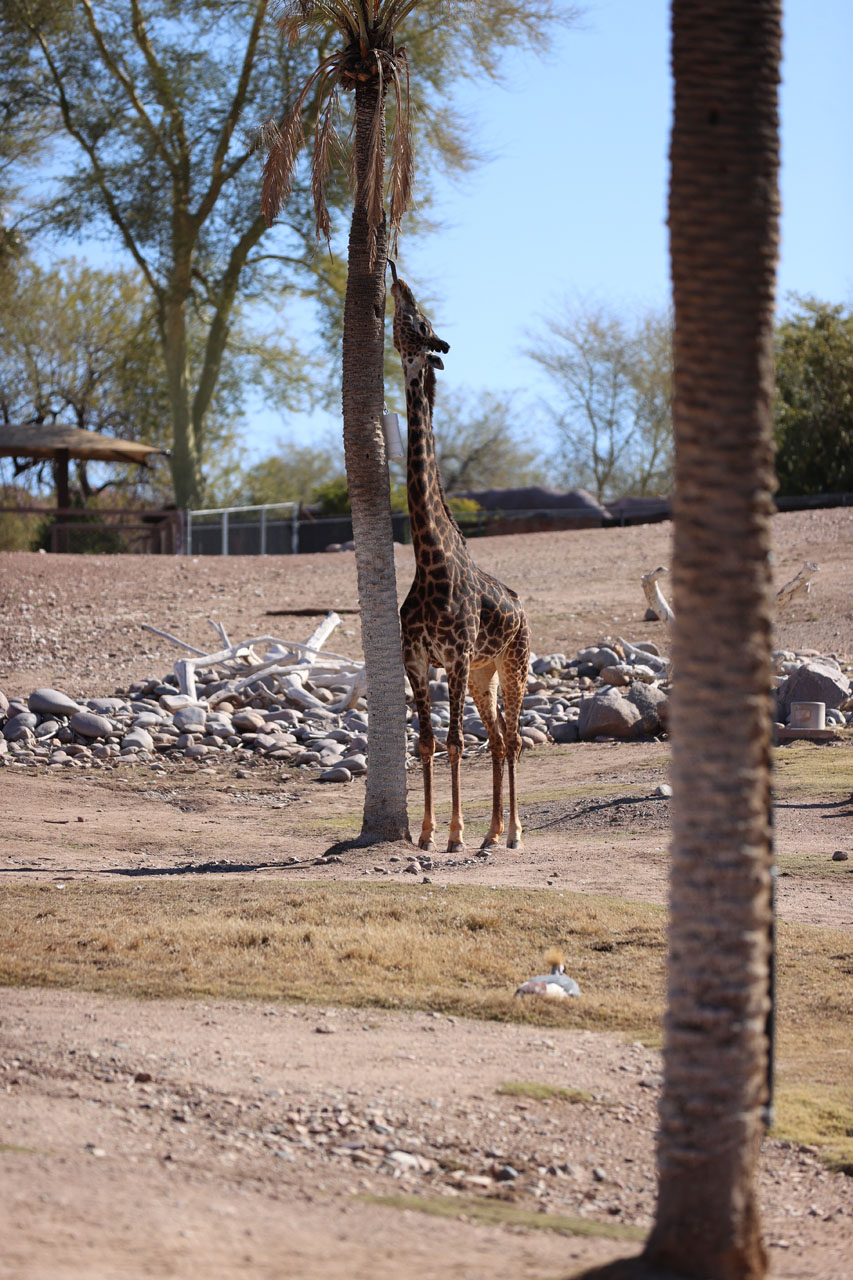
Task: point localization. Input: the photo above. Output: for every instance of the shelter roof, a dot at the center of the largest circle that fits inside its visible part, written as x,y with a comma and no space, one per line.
52,440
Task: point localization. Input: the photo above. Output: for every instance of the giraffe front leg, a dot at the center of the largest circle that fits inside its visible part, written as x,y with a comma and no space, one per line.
457,683
483,683
418,679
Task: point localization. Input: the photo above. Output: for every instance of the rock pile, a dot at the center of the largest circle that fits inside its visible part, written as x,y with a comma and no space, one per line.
610,690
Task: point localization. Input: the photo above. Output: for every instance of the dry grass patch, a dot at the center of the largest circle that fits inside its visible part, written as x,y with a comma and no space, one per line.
497,1213
462,950
542,1092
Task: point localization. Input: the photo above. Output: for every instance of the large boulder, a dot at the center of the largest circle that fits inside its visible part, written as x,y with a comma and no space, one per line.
608,714
652,704
819,680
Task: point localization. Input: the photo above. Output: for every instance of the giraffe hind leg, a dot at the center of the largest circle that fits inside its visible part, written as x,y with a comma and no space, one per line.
512,671
483,684
457,683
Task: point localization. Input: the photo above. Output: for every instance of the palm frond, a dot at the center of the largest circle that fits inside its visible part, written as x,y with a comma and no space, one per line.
402,156
285,143
292,16
327,143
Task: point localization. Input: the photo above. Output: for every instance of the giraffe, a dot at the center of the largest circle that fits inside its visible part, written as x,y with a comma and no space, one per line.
456,615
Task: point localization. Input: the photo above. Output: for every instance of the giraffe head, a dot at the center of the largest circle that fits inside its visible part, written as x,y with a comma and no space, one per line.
414,336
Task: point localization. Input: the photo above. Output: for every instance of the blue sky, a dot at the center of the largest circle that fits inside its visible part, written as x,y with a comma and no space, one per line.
573,202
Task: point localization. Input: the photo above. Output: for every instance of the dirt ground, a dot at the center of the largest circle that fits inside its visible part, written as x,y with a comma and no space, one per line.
225,1139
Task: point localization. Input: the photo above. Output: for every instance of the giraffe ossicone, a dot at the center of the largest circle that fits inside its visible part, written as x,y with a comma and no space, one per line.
456,615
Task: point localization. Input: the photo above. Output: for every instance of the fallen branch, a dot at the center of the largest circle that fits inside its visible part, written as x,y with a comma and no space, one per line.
657,601
801,582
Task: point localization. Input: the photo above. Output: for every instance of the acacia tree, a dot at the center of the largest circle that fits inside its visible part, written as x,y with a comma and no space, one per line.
368,64
613,415
153,107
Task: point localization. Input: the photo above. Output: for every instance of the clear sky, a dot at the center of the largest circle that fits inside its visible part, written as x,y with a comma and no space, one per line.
573,202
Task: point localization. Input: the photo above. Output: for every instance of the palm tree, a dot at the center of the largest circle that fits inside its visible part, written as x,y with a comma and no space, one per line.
723,219
367,64
370,65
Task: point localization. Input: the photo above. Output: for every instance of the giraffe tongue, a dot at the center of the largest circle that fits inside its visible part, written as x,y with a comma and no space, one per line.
393,266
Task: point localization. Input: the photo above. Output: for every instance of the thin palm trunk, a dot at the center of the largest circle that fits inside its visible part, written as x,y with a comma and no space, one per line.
385,815
724,238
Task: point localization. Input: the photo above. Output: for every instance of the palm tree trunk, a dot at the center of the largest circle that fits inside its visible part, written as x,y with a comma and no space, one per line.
385,816
724,237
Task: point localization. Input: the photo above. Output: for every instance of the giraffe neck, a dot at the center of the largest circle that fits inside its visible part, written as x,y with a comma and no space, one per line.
433,526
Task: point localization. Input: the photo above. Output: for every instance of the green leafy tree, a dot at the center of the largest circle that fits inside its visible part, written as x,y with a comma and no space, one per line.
153,106
613,414
814,399
293,474
367,69
77,346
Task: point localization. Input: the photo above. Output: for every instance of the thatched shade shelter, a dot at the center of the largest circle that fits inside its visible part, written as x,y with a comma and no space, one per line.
62,443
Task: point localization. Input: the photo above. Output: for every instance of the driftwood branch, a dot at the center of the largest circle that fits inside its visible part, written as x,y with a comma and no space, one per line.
800,583
657,601
287,665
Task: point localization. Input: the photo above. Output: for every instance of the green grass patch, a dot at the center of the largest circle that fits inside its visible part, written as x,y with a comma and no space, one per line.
497,1213
811,768
542,1092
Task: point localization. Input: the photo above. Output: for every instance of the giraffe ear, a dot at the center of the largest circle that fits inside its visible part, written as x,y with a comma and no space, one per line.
435,361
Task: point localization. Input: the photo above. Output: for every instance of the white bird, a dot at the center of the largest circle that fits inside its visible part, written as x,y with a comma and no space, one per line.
554,984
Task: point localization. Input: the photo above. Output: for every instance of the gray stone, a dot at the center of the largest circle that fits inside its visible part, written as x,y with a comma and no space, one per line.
190,719
564,730
608,714
840,856
138,739
438,691
17,727
357,764
4,703
819,680
652,704
172,701
248,721
106,706
50,702
90,725
47,729
147,720
336,774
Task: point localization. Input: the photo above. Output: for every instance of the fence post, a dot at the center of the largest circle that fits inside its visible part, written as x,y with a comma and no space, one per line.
263,531
224,550
188,534
294,535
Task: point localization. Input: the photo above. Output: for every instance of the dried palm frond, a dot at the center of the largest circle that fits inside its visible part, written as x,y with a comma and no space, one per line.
402,156
293,15
285,143
326,144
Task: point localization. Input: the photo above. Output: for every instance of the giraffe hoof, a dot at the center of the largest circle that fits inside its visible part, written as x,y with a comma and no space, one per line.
428,846
488,845
514,844
456,846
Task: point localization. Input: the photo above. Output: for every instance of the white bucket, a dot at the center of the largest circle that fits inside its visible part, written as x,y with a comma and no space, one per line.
807,715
